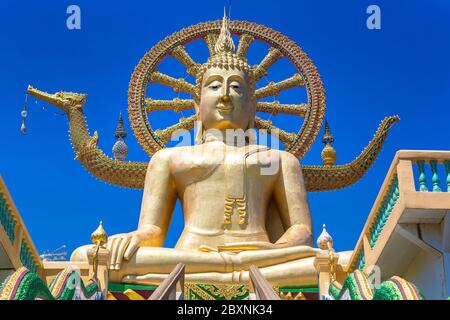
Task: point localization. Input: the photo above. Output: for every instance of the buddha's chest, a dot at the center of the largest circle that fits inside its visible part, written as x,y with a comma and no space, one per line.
234,167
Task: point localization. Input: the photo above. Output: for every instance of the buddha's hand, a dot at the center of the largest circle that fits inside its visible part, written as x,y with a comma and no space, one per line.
297,235
250,245
124,245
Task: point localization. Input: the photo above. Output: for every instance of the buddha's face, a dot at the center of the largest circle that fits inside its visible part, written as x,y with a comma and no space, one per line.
225,100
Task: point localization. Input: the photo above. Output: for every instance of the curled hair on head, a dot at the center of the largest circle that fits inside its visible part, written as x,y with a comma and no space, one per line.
224,57
225,61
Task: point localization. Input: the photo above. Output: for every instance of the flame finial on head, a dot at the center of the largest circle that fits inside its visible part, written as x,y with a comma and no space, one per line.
224,43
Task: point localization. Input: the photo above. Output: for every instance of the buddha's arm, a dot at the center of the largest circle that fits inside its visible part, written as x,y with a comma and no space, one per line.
158,200
290,196
157,207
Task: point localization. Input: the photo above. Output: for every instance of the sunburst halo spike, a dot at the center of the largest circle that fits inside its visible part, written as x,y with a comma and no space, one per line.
224,43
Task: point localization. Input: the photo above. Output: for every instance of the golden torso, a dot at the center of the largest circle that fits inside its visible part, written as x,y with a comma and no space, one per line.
202,175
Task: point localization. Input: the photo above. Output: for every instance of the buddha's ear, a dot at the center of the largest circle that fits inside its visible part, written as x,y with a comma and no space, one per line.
251,122
198,129
196,107
198,124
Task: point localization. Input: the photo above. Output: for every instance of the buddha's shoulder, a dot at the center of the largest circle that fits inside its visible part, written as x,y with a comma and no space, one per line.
167,154
162,155
284,156
288,157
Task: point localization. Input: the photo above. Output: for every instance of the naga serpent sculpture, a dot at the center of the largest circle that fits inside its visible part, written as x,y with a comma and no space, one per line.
132,174
357,286
67,285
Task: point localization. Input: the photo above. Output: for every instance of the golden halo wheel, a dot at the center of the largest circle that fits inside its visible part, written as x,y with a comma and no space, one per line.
146,72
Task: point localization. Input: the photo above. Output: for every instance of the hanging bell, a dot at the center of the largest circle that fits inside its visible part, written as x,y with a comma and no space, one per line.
23,128
24,115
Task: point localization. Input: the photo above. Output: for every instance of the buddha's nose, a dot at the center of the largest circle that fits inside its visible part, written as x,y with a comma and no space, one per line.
225,98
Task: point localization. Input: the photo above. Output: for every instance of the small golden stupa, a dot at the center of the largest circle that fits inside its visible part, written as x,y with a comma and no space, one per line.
328,152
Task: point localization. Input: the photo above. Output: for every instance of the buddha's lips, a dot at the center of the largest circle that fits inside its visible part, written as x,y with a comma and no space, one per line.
225,108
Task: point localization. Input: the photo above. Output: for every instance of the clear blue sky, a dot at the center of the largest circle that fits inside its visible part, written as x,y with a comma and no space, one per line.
401,69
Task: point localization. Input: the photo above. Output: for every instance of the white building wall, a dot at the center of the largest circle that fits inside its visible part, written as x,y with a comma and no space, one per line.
427,273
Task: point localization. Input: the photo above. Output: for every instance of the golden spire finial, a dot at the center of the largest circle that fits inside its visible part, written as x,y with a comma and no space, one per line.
324,240
224,43
99,236
328,152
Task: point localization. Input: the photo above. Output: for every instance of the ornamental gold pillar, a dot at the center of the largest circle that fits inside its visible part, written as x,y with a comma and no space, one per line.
325,263
99,259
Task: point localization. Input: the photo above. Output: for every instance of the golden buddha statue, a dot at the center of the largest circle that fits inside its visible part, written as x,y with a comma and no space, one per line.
217,245
237,213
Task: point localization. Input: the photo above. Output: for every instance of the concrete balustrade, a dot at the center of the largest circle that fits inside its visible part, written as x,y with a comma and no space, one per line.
17,249
409,225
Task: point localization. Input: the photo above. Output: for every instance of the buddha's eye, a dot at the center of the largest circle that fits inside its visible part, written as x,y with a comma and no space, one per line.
235,85
215,85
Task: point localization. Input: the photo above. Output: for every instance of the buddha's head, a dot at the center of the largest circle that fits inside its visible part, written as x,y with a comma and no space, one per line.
225,88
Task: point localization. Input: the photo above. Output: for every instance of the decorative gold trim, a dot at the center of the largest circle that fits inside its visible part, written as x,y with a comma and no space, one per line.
245,40
281,45
275,107
211,291
8,289
324,178
132,174
273,89
183,124
241,207
181,55
289,296
211,39
177,84
283,136
176,104
272,56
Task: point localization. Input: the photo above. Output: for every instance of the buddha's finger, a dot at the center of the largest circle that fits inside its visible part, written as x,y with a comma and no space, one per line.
113,252
109,244
110,247
121,252
131,249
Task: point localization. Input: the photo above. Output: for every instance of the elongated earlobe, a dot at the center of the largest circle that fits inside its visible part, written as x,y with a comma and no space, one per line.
251,122
250,136
198,128
197,109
